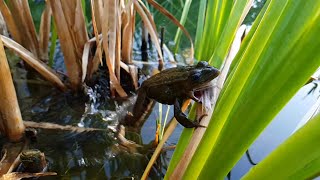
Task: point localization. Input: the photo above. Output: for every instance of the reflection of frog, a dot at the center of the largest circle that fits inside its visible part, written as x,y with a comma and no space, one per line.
172,87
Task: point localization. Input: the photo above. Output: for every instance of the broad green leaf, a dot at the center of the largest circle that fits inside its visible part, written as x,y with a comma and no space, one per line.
274,65
248,38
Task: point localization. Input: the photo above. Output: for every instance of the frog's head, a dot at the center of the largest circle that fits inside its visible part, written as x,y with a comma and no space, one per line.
202,74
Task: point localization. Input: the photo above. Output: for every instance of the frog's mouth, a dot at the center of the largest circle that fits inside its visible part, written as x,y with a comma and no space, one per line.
205,94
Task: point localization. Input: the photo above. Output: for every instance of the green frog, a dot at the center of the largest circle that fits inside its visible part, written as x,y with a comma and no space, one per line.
173,86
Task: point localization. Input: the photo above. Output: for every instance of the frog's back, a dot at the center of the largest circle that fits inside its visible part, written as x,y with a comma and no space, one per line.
168,76
167,85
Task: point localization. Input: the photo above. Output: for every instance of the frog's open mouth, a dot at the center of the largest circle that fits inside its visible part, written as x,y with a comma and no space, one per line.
205,94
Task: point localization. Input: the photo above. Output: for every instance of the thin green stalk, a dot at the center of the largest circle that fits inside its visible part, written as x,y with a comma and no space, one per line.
200,26
83,4
208,31
225,39
160,114
54,37
182,21
165,122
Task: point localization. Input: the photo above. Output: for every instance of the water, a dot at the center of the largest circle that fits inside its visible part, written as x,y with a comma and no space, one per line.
86,155
278,130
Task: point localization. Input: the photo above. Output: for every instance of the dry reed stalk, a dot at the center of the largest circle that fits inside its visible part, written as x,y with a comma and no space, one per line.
20,24
133,71
132,20
97,59
95,15
35,63
20,175
104,15
71,29
44,32
22,18
90,63
12,27
118,41
11,123
112,35
3,26
30,27
10,159
127,16
149,25
107,44
112,30
96,7
85,60
149,17
76,24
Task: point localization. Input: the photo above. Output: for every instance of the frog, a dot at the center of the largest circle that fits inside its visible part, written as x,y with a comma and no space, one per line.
173,86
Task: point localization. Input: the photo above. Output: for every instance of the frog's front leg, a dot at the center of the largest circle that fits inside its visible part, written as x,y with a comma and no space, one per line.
182,118
190,94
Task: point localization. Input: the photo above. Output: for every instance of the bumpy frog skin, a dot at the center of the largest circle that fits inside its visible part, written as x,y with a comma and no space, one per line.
173,86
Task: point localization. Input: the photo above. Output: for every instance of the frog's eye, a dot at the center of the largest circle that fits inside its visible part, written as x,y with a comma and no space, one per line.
202,64
196,76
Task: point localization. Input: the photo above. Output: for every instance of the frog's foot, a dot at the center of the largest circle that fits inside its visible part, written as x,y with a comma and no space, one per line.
202,116
182,118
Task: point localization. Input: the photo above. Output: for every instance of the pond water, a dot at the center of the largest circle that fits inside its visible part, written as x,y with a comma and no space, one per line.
86,155
283,125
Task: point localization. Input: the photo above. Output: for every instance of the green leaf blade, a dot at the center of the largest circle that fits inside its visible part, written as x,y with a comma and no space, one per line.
276,75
